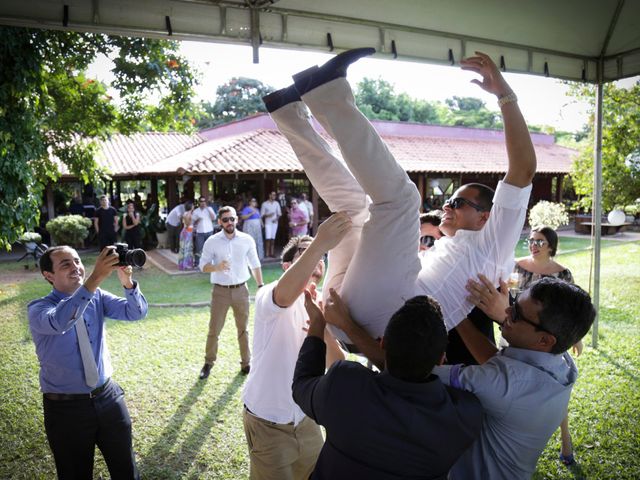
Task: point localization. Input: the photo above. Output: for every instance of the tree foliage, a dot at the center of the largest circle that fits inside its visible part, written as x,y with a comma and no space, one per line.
378,100
620,148
240,97
50,109
472,112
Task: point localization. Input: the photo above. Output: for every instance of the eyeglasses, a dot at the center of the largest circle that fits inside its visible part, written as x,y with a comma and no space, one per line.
516,316
427,241
228,219
537,242
459,202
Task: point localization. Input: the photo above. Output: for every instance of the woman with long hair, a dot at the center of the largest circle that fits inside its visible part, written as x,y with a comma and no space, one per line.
131,226
185,255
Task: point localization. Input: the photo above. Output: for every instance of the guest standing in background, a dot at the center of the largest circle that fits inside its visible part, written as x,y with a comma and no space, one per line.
131,227
271,213
252,224
203,218
185,256
106,223
298,219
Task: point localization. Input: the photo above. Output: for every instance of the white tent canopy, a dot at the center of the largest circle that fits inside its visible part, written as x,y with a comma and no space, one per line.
562,39
586,40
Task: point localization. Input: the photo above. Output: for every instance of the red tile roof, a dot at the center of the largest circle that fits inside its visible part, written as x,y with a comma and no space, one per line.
254,145
129,155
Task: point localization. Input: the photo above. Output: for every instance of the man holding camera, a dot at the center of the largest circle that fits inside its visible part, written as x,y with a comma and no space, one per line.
83,407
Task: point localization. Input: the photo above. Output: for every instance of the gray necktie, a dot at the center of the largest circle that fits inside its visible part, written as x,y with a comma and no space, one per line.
88,362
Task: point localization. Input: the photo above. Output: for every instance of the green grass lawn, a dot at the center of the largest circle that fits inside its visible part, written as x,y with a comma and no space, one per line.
186,428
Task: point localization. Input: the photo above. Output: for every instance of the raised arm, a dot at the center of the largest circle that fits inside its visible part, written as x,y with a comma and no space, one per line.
295,278
522,156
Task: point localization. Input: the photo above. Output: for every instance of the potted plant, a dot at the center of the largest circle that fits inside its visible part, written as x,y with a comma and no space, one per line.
69,229
31,239
161,233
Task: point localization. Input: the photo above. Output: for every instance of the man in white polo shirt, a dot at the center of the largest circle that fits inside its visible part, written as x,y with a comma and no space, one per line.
283,442
228,256
270,212
203,218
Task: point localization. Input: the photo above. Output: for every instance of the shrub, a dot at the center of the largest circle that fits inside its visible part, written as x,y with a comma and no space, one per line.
69,229
548,214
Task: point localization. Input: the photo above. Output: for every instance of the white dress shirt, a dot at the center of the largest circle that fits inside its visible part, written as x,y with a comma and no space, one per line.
239,250
448,265
175,216
277,337
205,222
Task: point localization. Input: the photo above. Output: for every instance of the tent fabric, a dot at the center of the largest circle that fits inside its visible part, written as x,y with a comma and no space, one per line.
543,37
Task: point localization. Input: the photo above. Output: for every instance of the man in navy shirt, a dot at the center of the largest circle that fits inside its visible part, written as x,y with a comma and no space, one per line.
83,407
401,423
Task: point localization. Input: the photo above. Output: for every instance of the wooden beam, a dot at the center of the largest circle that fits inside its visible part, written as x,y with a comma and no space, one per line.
51,208
204,186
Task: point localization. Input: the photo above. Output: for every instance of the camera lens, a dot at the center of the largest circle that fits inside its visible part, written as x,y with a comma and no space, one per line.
136,257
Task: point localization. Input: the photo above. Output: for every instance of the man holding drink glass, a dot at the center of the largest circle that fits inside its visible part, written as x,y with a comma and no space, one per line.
229,255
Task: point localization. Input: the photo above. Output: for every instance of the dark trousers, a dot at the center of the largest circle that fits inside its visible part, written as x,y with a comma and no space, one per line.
174,237
106,239
200,238
75,427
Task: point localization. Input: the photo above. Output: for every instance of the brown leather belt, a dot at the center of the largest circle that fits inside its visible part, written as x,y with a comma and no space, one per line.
230,286
77,396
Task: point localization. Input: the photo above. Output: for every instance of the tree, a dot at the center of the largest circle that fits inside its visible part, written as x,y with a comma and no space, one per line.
620,148
378,101
236,99
50,108
472,112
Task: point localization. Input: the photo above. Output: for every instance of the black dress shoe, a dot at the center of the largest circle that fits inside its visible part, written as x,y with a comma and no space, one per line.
206,370
280,98
245,370
313,77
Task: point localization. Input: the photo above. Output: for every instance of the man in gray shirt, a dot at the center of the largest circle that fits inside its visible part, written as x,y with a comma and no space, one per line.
524,389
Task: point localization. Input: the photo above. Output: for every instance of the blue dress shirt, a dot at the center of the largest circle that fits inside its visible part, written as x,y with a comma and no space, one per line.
52,320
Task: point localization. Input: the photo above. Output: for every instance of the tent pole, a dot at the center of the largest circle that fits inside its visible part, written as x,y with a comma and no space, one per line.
597,201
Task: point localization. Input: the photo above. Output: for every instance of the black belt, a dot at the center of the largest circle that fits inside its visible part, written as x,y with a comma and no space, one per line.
262,419
77,396
230,286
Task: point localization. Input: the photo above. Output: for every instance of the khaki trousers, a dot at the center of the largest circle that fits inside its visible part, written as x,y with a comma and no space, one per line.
281,452
221,299
375,267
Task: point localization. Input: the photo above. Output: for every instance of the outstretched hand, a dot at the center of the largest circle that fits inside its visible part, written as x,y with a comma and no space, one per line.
492,80
336,312
333,230
487,298
316,317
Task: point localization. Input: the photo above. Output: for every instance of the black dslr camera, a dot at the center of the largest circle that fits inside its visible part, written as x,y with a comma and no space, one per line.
134,257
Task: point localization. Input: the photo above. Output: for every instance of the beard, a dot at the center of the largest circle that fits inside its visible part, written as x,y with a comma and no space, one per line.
230,228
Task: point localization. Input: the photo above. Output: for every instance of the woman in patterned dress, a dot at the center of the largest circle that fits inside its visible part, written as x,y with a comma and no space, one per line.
185,255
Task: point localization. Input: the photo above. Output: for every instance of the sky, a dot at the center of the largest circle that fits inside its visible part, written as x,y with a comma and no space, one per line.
544,101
